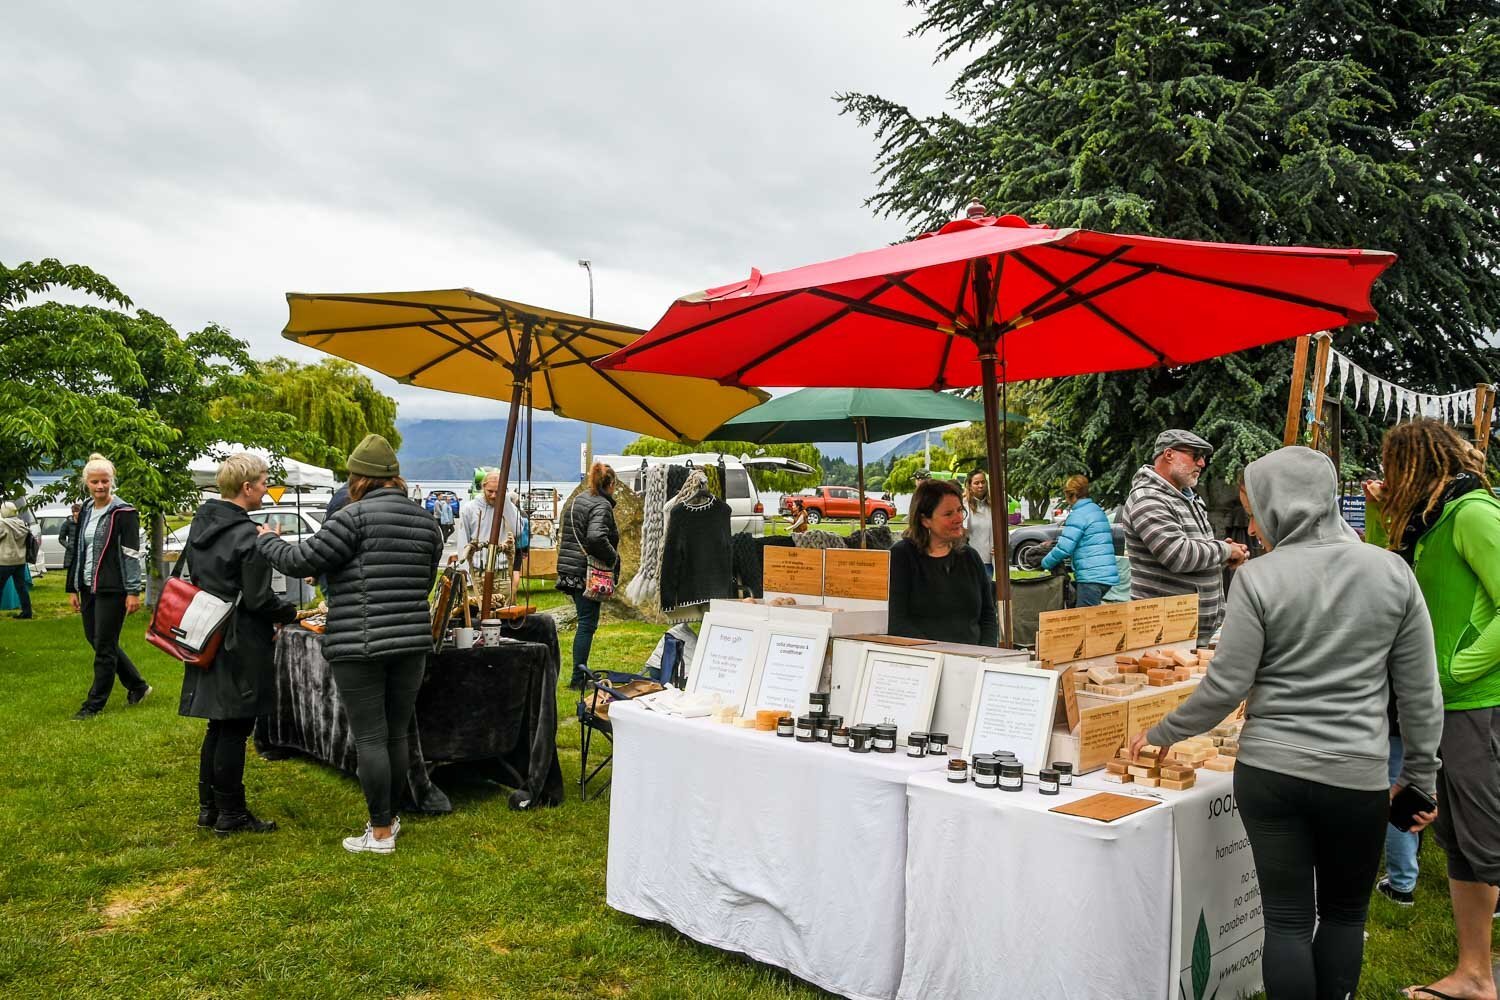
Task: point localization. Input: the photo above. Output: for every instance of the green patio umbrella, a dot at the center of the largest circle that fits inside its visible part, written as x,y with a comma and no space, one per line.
857,415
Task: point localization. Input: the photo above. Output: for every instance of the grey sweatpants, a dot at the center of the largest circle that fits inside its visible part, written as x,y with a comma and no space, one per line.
1468,823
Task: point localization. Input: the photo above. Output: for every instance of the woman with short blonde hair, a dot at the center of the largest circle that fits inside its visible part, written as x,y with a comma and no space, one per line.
237,470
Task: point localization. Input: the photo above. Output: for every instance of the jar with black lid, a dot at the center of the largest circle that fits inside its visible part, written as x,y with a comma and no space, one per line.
1064,769
841,737
937,744
1012,776
1046,781
861,739
885,738
806,729
786,726
821,730
916,745
817,703
986,773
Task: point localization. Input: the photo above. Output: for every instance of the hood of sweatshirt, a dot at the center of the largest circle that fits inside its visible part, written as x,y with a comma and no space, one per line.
213,519
1294,496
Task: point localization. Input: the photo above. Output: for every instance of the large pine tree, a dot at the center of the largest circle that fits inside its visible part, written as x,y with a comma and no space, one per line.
1351,124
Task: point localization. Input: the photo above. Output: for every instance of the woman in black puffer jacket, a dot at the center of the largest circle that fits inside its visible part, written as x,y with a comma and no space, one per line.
379,557
587,529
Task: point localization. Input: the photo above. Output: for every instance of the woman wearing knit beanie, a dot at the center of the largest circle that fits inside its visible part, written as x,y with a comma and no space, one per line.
380,558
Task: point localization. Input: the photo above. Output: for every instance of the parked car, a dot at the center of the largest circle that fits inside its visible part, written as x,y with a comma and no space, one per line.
50,520
840,502
445,496
747,512
1030,542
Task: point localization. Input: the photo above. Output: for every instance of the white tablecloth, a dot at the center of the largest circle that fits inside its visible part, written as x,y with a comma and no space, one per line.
791,853
1007,899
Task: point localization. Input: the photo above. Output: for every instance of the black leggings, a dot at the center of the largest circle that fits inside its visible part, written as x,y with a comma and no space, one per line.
221,761
1317,849
380,697
103,618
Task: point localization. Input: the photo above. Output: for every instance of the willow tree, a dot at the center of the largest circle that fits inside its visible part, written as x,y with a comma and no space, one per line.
1323,122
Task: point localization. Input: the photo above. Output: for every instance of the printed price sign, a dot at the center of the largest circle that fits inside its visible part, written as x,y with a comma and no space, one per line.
858,574
1060,636
793,571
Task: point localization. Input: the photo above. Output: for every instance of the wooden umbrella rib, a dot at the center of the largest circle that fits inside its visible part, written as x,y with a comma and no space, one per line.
368,300
900,281
1093,307
607,377
1031,307
473,347
1235,286
822,324
641,346
1075,298
380,327
863,305
477,342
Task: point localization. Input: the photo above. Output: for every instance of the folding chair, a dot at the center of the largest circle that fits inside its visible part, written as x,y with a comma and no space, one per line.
600,688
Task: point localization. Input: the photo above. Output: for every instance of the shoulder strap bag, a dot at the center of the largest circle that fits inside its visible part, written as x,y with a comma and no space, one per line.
599,581
188,623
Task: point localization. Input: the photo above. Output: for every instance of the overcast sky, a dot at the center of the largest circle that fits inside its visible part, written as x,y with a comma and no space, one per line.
210,157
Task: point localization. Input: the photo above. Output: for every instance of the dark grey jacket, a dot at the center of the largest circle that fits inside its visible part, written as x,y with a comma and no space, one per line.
586,528
380,557
222,559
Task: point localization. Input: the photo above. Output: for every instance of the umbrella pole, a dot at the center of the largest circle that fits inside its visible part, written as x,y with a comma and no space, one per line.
999,508
521,375
859,457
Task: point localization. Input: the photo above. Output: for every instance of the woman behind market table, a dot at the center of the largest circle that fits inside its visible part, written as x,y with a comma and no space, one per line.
221,557
939,587
1089,541
104,584
587,531
1315,632
1436,510
380,556
979,529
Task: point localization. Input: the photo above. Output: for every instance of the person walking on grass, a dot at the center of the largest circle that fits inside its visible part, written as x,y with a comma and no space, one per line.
13,535
380,558
587,531
104,585
221,557
1316,633
1436,509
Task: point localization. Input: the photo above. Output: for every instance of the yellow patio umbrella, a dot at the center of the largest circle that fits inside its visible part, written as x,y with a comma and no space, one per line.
463,341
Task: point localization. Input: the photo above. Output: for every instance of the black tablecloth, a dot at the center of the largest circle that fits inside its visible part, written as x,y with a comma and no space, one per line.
494,707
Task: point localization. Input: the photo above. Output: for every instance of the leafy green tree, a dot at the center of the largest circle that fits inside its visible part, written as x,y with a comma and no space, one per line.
765,481
75,379
1321,122
333,400
902,477
1037,468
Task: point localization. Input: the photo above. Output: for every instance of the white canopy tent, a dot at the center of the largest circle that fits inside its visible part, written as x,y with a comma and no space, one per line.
299,475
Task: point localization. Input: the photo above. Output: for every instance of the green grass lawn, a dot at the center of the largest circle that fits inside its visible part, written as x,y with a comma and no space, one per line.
111,890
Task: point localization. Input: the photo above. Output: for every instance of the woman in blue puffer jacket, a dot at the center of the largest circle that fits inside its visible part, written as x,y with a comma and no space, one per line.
1089,541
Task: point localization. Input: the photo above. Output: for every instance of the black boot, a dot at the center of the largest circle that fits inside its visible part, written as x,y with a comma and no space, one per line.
208,812
235,816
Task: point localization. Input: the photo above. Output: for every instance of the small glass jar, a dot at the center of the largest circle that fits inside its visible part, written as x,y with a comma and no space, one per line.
806,729
786,726
817,703
1012,777
986,773
821,730
885,738
861,739
916,745
841,737
1047,781
937,744
1064,769
834,722
958,771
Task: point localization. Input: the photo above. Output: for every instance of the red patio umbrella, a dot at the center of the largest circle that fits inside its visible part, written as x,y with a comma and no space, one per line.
985,301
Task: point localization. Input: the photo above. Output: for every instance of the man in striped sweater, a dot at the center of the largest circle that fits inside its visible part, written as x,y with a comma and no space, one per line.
1167,533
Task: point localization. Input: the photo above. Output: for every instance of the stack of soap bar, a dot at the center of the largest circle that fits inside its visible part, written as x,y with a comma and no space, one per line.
1220,763
745,722
766,718
1179,785
725,714
1102,675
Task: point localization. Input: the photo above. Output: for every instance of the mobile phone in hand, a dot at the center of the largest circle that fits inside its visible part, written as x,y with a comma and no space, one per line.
1405,806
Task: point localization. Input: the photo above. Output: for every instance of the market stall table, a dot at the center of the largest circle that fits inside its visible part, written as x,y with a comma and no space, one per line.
791,853
1005,898
494,707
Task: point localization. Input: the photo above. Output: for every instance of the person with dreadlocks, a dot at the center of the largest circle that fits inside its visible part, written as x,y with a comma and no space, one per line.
1435,507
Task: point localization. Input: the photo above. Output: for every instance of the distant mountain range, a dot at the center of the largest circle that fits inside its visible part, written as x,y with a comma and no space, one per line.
453,449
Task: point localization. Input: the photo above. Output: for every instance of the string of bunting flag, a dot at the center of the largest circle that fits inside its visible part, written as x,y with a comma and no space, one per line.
1378,397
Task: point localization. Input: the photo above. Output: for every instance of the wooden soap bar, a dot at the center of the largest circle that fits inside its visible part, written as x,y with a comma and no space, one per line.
1181,658
1119,779
765,718
1125,661
1117,767
1178,786
1176,771
1219,764
1143,771
1148,782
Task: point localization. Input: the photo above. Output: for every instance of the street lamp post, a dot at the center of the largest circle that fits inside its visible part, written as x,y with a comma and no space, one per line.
588,433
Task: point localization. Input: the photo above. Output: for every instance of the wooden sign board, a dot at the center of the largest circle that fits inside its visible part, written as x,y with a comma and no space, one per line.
1106,807
1060,636
1105,629
1181,617
1147,710
1102,731
793,571
1068,704
856,573
1147,623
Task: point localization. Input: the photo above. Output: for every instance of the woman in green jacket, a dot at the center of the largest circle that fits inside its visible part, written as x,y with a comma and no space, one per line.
1436,508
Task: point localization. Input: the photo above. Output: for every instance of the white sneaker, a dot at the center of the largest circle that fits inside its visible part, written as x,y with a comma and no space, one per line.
395,826
367,843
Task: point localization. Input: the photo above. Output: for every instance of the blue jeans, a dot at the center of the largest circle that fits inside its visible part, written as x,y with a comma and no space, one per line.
1400,846
1090,595
583,639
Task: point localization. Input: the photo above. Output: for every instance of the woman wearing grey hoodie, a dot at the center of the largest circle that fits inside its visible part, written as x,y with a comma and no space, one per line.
1316,632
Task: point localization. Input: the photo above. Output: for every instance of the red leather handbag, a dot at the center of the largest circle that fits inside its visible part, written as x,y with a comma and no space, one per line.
188,622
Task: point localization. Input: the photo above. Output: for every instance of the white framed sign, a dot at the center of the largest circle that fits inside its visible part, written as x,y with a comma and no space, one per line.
1012,709
791,664
725,658
899,685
